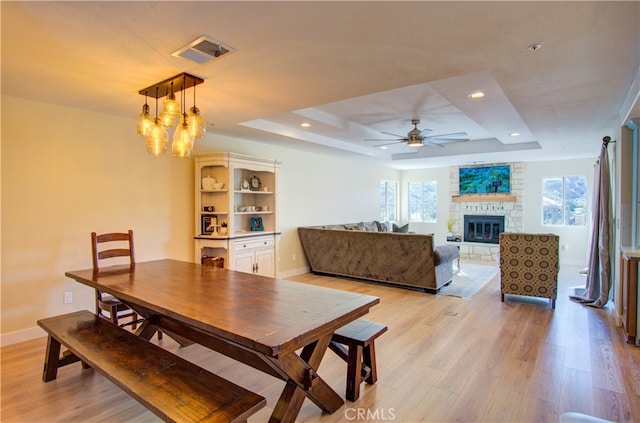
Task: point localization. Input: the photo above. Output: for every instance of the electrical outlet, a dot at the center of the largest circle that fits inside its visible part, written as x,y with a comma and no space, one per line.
293,257
68,297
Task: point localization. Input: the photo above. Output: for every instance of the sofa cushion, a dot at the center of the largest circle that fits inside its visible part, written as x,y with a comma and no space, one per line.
445,252
401,229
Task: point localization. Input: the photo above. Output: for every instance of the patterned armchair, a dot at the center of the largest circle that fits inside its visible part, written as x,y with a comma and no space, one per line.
529,265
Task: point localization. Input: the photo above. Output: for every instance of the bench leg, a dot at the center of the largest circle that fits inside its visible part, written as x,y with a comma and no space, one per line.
51,358
354,368
369,358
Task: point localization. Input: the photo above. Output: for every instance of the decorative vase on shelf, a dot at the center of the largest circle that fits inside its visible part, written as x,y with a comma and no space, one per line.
208,182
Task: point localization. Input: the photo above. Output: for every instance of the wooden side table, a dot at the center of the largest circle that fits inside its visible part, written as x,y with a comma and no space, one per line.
629,277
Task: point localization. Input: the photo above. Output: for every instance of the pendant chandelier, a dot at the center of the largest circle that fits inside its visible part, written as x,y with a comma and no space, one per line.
188,127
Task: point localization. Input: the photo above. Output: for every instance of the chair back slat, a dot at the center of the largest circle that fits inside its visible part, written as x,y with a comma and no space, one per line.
107,253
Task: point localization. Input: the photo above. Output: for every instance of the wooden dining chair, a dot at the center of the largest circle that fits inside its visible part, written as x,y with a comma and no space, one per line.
109,246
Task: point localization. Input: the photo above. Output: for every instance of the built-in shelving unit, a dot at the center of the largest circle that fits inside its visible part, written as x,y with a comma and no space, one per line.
237,221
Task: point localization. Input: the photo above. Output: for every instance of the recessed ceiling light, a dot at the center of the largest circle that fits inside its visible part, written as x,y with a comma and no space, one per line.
476,95
534,47
305,124
383,147
514,134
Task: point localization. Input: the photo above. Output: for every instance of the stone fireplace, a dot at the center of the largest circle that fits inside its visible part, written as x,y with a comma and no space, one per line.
483,242
482,228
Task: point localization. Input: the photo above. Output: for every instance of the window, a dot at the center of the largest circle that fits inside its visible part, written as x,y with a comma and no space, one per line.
423,201
388,201
564,201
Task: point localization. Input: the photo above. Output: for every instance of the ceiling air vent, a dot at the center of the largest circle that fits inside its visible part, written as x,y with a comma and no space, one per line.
203,50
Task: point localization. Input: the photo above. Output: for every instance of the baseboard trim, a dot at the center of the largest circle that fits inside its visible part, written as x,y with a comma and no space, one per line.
294,272
21,336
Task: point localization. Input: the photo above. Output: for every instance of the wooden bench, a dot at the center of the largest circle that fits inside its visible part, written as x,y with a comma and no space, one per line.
171,387
360,354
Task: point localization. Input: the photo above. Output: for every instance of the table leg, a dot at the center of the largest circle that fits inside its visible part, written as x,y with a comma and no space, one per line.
149,327
304,382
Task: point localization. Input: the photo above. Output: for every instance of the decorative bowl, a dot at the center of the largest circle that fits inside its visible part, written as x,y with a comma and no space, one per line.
208,182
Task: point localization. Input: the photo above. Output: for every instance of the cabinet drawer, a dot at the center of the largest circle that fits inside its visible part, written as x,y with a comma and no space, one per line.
252,244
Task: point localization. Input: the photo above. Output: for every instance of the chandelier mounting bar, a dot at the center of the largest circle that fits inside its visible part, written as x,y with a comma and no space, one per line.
180,82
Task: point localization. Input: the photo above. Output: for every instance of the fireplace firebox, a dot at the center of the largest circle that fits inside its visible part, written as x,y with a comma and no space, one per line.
481,228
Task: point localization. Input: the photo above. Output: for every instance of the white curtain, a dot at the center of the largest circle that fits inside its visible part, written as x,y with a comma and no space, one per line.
599,266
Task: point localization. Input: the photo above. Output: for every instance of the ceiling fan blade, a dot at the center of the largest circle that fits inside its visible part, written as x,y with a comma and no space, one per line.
389,143
454,134
425,132
393,135
447,140
381,139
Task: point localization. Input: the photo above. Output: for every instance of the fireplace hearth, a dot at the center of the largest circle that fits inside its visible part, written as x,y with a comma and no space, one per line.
483,229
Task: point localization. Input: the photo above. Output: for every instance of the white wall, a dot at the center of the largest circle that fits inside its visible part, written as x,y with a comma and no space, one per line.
441,177
573,239
314,189
67,172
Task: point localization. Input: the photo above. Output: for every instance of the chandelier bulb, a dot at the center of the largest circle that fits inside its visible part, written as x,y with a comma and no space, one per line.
197,125
182,140
157,139
145,122
171,106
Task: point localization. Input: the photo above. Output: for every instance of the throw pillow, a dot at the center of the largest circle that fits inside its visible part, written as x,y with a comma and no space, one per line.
381,226
357,227
401,229
370,226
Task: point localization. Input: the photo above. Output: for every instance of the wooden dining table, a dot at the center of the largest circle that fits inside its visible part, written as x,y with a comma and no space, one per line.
280,327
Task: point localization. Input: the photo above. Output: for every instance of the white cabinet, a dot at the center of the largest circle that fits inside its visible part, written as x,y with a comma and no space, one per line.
254,255
241,207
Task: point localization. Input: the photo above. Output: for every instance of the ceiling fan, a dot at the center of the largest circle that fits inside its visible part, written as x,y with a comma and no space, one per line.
419,137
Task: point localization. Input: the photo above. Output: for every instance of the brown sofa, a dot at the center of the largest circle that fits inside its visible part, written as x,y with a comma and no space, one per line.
398,258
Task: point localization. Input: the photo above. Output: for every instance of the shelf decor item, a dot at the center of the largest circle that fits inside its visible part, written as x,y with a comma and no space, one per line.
207,182
256,224
255,183
208,224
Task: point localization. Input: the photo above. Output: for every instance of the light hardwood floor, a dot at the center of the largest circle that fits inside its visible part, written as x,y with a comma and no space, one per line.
444,359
